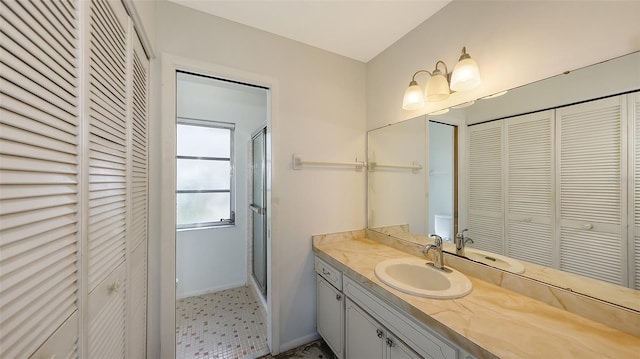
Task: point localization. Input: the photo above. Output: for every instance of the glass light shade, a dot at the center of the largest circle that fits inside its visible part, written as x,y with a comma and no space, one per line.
413,97
465,76
437,88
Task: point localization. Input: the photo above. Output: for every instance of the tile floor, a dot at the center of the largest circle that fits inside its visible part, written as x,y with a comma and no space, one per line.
230,324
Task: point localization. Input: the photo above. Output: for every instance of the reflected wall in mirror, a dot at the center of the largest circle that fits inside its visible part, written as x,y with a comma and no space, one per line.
412,178
551,180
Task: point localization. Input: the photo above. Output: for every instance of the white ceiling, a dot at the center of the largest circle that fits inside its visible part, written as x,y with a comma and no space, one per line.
359,29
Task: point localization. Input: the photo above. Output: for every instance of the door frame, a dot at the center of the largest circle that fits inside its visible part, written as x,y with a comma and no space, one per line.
169,65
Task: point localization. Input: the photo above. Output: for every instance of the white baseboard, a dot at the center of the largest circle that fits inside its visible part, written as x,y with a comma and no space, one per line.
299,342
210,290
257,293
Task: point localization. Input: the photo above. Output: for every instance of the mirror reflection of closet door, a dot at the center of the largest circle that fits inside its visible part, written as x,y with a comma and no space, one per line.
258,210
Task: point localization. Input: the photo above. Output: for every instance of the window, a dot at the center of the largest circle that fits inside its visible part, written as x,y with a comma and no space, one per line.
204,181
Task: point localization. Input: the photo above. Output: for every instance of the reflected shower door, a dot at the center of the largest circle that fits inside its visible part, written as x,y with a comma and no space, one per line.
258,211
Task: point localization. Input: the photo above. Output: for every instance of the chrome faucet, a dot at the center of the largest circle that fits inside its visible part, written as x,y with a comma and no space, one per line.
437,247
460,242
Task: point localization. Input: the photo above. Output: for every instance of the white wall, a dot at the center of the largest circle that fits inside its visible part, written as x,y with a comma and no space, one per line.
514,43
320,115
208,260
395,194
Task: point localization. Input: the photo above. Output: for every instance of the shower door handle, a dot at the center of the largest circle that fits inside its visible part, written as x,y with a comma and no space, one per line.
258,210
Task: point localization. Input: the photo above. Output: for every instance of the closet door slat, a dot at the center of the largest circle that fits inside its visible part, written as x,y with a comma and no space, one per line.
636,191
530,204
486,200
107,131
138,171
590,172
23,28
38,175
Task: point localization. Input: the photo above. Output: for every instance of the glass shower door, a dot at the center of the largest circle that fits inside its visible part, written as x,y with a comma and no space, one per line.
258,211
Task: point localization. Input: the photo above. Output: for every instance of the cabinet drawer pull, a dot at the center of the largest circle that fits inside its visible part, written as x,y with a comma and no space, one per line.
338,296
390,343
326,272
379,333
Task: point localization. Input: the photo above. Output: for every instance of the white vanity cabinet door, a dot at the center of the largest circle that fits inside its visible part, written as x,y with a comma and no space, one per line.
364,335
368,339
416,336
330,315
590,168
396,349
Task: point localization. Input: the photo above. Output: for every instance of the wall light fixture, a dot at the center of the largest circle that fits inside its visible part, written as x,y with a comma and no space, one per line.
465,76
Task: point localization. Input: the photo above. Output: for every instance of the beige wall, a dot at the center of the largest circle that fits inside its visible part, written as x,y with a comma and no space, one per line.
327,102
320,114
514,43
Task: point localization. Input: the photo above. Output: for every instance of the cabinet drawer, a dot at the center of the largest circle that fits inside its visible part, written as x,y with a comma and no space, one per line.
329,273
417,337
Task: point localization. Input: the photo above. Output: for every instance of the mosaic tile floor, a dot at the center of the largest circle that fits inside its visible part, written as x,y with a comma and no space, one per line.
230,324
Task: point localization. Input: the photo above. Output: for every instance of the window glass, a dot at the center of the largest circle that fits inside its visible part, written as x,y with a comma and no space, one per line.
195,209
204,176
201,141
199,174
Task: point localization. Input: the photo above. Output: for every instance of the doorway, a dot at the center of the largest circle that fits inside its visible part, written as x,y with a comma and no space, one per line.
218,313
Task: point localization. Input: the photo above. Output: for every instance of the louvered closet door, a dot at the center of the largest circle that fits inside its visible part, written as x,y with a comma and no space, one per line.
137,238
529,187
635,113
38,177
107,170
486,218
592,201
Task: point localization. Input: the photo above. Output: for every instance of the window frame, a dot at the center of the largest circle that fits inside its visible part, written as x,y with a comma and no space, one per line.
227,222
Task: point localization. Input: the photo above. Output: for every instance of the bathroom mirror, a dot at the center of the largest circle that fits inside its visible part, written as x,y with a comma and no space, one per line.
417,165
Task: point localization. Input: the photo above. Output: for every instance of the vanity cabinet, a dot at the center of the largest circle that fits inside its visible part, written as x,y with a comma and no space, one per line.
357,324
366,338
330,306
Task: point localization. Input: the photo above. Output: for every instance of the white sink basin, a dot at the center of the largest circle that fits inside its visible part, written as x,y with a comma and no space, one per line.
418,277
494,260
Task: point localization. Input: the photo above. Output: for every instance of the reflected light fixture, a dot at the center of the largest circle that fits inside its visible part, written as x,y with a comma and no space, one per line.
465,76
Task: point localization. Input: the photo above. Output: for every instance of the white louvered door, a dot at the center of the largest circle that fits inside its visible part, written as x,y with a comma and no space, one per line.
591,200
529,188
634,249
485,171
39,192
107,175
138,174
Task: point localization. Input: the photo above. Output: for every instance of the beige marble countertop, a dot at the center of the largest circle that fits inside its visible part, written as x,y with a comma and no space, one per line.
491,321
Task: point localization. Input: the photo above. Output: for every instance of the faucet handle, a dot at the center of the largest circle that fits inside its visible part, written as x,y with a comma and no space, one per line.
460,234
437,240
